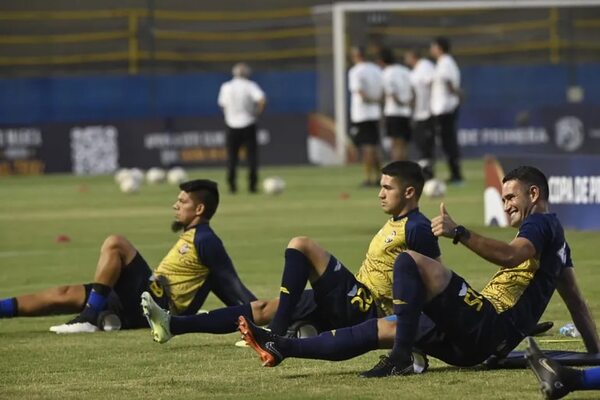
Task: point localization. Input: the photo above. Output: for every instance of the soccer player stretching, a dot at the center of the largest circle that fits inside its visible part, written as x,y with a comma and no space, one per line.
195,265
470,326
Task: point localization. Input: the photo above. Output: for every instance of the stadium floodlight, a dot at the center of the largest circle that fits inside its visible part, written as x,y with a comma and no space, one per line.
338,14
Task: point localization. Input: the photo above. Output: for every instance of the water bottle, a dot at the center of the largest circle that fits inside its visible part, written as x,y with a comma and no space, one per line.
569,330
108,321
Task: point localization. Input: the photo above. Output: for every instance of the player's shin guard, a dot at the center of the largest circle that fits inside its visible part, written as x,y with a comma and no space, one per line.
409,299
293,282
222,320
336,345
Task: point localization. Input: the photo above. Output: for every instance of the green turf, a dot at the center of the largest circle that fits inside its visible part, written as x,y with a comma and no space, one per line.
35,363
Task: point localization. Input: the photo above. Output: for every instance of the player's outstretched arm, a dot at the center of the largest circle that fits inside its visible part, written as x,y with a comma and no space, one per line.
580,313
495,251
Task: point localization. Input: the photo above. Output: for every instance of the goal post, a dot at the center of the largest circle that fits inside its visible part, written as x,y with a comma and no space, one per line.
339,15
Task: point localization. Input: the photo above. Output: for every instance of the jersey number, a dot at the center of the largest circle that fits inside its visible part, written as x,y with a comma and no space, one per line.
363,299
473,299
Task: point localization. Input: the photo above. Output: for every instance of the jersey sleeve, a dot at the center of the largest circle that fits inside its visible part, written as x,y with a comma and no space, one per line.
354,84
420,239
256,92
568,260
222,93
224,280
537,230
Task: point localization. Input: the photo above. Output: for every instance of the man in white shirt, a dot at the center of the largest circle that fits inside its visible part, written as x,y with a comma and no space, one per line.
397,104
421,75
366,89
445,99
242,102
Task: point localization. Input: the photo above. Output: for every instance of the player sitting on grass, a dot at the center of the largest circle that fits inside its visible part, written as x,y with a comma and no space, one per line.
339,298
555,380
197,264
470,326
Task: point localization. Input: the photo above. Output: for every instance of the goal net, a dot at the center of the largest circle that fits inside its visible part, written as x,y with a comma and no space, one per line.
518,59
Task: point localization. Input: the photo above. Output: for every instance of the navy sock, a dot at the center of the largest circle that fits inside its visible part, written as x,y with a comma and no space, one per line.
96,302
222,320
590,379
336,345
8,307
409,298
293,282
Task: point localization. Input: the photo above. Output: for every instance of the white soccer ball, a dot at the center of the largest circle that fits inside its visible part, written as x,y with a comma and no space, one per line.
273,185
121,174
137,175
155,175
177,175
434,188
130,185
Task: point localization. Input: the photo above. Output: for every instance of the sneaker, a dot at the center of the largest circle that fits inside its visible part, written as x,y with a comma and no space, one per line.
158,319
263,342
76,325
387,367
547,372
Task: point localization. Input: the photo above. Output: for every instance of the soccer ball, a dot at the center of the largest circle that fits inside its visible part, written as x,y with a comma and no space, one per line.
137,175
130,185
273,185
176,175
434,188
155,175
121,174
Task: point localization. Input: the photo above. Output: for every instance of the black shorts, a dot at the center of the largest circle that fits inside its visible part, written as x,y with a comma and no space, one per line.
424,136
341,300
398,127
365,132
124,299
467,327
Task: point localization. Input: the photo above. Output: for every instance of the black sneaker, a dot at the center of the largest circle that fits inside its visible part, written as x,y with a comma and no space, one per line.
387,367
548,372
262,341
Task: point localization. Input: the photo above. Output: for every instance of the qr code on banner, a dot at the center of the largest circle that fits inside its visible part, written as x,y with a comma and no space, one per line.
94,150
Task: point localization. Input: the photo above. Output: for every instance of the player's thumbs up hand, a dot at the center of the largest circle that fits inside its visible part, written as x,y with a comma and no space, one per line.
443,225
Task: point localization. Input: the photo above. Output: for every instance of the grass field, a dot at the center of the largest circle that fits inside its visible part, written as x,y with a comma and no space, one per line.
36,364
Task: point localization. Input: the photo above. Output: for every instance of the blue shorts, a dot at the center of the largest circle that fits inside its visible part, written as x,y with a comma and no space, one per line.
461,327
341,300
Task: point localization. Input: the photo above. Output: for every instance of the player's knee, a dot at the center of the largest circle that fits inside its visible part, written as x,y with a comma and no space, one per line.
301,243
116,242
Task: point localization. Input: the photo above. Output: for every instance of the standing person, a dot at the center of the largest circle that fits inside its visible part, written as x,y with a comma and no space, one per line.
366,89
242,101
445,100
398,103
421,76
470,326
196,265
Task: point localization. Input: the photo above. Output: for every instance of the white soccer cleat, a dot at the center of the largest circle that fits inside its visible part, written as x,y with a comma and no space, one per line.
158,319
77,325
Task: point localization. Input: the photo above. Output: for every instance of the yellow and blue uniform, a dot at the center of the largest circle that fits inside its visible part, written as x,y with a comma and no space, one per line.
408,232
470,326
197,264
344,299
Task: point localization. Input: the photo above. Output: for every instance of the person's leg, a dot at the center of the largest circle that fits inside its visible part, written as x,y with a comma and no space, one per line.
305,261
371,163
232,142
425,140
252,157
450,144
57,300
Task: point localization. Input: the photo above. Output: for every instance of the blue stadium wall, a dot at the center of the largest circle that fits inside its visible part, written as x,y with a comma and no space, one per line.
495,94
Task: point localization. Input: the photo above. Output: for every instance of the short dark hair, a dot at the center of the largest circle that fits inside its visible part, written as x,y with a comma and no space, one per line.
530,176
408,172
203,191
387,56
443,43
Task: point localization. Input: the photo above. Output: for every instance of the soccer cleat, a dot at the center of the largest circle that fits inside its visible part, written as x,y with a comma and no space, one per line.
158,319
76,325
263,342
387,367
547,372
